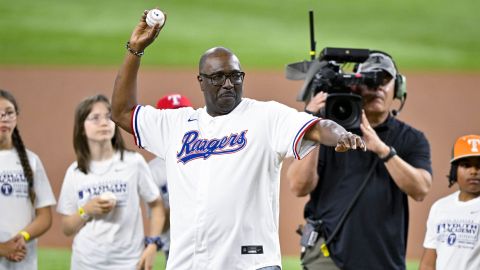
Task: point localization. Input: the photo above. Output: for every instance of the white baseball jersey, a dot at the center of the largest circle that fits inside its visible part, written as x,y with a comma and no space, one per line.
16,208
115,240
223,177
159,172
453,230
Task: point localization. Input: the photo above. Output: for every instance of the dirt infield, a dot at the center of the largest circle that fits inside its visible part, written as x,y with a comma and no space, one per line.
443,106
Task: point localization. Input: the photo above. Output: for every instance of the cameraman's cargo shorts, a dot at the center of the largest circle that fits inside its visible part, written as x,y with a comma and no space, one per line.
312,258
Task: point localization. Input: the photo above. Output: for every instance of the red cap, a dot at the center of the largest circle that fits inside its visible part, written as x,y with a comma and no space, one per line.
173,101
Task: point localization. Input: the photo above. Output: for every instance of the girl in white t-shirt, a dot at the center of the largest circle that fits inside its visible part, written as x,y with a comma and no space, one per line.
108,231
25,193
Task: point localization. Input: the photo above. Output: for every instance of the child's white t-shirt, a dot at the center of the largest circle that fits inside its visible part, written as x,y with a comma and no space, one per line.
115,240
453,231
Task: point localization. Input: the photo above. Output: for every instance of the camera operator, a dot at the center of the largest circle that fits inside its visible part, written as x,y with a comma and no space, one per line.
358,207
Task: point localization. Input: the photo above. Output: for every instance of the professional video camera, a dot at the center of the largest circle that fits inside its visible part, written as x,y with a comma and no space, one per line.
328,73
344,104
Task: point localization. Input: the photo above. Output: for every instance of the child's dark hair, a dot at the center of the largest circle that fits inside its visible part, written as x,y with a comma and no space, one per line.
452,176
20,147
80,141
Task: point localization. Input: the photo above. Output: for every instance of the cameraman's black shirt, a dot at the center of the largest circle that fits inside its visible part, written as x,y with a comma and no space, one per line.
374,235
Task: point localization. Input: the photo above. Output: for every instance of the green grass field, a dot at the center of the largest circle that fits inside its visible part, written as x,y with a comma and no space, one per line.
421,35
59,259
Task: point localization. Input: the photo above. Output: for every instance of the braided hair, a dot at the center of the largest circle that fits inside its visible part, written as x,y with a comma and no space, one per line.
20,147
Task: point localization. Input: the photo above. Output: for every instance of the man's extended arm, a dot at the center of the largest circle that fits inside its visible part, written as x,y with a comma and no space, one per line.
302,174
125,89
329,133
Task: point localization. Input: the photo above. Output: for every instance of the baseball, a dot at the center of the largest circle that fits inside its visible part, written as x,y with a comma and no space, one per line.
109,196
155,16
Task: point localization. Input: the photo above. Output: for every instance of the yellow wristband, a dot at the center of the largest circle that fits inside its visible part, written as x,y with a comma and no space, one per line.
82,214
25,235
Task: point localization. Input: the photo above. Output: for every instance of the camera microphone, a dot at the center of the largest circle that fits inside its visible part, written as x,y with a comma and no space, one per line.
342,55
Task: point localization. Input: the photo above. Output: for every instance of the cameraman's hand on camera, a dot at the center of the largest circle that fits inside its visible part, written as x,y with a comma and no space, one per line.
317,103
373,142
143,35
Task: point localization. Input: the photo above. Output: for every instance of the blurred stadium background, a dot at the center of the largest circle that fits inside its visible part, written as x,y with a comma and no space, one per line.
53,53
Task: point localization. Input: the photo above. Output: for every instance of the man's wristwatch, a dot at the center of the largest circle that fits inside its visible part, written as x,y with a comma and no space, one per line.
154,240
309,112
391,154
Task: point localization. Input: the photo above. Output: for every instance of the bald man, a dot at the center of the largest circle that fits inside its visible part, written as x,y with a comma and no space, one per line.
223,161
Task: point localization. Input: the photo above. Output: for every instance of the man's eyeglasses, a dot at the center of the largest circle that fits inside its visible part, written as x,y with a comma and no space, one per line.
8,115
219,79
97,118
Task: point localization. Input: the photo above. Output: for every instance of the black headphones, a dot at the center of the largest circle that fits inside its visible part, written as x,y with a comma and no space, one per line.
400,80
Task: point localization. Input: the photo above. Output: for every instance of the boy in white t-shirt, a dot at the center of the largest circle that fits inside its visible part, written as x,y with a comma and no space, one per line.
452,237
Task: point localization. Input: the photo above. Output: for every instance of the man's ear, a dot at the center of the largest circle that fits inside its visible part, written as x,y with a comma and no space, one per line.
200,80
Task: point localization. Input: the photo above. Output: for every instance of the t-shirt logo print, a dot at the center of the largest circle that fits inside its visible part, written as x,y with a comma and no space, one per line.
13,183
451,239
194,147
6,189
